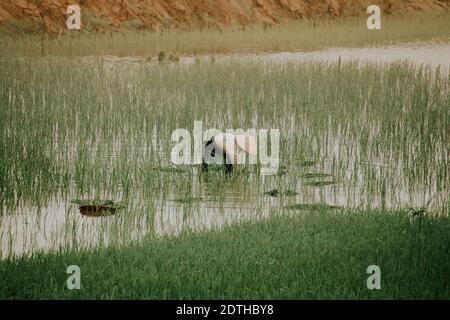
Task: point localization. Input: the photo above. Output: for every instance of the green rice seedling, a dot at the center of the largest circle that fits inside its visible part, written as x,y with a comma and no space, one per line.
249,260
96,129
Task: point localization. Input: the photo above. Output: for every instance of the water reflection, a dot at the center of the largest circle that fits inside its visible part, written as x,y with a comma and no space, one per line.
384,177
421,53
59,225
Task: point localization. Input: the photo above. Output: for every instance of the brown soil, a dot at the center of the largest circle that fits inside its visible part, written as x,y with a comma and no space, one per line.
102,15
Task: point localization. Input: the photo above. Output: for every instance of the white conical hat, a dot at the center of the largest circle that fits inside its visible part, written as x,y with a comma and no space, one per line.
228,142
247,143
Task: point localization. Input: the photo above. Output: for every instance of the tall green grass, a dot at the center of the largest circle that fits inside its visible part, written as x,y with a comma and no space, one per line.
312,255
94,126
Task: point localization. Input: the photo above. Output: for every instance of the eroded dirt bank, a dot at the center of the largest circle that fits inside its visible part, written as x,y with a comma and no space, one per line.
101,15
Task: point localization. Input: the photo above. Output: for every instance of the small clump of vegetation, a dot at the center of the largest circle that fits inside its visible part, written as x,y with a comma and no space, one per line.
272,193
316,175
311,207
97,207
188,199
276,193
319,183
163,57
317,179
282,171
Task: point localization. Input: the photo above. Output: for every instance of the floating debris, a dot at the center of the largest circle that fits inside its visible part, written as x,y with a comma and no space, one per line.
276,193
161,56
188,199
416,213
98,208
315,175
272,193
173,58
311,206
319,183
317,179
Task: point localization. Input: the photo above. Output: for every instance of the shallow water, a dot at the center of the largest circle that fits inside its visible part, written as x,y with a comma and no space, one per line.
56,224
423,53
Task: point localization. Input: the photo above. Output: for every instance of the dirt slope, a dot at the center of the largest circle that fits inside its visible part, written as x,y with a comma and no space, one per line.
50,15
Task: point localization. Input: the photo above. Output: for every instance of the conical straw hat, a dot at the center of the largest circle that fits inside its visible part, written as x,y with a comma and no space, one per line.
228,142
247,143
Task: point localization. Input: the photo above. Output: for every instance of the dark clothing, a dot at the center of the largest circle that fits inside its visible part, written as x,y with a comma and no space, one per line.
214,155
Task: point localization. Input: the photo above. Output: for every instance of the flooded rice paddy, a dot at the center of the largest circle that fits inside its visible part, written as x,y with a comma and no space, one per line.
434,54
371,134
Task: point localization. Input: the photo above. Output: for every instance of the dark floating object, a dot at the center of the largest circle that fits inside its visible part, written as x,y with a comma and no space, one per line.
419,213
162,57
272,193
282,171
98,208
416,213
311,206
97,211
276,193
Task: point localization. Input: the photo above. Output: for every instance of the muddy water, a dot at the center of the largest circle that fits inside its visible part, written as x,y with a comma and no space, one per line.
428,54
58,225
421,54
